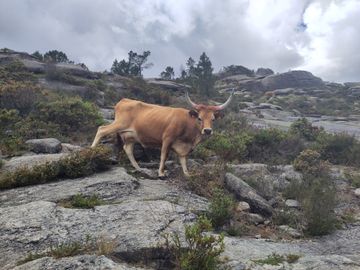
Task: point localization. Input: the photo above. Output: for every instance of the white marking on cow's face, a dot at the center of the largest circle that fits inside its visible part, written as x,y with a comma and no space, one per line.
206,118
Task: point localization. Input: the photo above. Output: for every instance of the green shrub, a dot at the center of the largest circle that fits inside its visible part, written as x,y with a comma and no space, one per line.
21,96
15,72
25,176
81,163
32,128
206,179
10,141
354,178
228,147
85,162
309,162
14,131
72,114
304,129
202,250
221,208
273,146
316,192
318,205
339,149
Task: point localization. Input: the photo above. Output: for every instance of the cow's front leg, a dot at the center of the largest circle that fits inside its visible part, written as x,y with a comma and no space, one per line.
183,165
164,153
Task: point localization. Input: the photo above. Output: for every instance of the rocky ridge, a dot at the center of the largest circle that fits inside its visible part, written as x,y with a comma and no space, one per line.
136,213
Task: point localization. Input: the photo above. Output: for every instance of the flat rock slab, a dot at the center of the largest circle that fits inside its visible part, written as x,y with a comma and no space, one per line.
36,226
136,214
83,262
114,186
340,250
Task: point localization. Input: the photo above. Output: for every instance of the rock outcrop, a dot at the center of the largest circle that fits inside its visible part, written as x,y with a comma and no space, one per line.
292,79
136,213
264,72
246,193
44,146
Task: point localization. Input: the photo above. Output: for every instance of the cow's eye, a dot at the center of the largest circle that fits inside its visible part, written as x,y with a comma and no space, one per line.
199,119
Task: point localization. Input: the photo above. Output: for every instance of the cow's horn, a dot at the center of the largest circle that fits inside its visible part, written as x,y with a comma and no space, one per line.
192,104
224,105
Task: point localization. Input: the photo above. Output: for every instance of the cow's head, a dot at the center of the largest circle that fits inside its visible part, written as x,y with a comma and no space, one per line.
206,114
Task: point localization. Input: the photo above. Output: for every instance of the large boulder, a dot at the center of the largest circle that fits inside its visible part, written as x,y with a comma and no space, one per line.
248,194
292,79
44,146
264,72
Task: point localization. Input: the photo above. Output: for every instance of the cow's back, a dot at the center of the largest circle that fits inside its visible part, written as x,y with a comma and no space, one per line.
150,122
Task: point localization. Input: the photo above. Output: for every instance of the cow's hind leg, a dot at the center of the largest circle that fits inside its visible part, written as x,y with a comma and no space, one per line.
104,131
164,154
128,148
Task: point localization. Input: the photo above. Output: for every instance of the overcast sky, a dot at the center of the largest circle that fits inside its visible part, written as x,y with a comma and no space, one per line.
322,36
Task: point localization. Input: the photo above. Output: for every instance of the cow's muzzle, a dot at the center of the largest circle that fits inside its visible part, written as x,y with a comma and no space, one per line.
207,131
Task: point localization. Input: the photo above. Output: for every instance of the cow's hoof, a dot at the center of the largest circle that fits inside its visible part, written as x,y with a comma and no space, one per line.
162,177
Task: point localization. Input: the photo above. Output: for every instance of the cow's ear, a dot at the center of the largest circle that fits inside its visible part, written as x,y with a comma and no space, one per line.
219,114
194,113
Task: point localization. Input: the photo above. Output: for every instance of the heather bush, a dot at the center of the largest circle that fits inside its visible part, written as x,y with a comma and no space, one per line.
316,192
72,114
221,208
202,251
305,129
338,148
20,96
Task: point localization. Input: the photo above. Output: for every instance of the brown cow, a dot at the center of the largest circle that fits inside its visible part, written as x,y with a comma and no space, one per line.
164,127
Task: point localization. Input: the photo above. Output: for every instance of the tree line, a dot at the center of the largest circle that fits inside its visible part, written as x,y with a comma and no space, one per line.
198,74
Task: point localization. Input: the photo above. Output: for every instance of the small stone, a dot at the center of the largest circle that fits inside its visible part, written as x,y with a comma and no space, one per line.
292,203
242,207
267,222
258,236
357,192
290,231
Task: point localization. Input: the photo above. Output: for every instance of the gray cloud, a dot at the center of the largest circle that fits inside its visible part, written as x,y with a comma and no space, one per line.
249,33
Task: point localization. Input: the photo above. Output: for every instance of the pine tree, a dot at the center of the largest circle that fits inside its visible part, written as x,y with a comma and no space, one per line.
168,73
